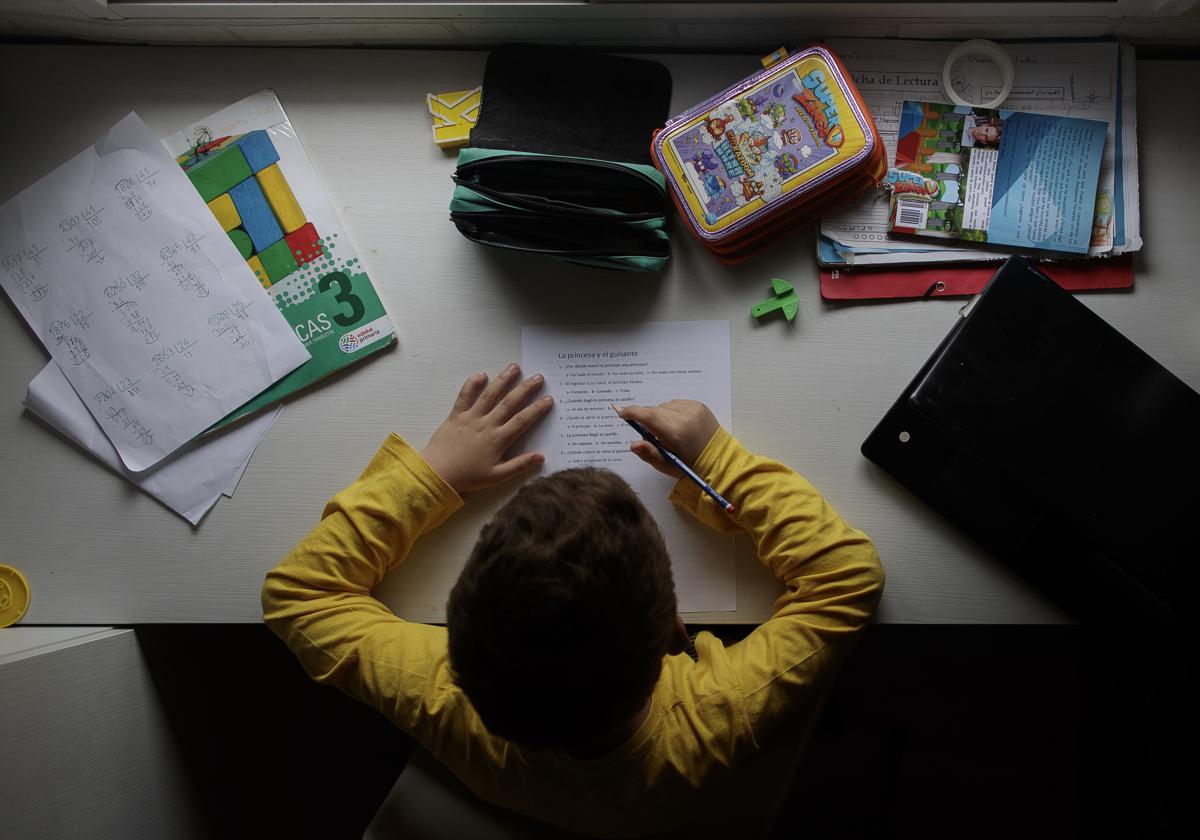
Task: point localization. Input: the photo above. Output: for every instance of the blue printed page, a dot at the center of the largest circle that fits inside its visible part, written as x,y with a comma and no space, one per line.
1044,190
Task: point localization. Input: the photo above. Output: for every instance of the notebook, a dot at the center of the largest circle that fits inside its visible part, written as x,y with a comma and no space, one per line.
1059,445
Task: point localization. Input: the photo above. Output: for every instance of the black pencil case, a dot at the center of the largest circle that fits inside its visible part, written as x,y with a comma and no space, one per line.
602,213
551,171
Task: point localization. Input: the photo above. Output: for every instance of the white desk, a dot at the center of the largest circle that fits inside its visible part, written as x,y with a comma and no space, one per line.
96,551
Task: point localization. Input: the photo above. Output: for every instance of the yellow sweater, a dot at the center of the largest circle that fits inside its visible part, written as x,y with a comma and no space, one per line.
705,716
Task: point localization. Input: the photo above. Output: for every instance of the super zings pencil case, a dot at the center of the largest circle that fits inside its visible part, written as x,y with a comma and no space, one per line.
775,150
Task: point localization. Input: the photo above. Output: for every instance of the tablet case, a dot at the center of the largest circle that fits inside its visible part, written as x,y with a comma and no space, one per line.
1059,445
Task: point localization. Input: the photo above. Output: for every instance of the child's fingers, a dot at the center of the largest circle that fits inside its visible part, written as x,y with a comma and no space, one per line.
469,393
517,399
498,387
521,422
513,467
654,458
635,412
652,418
664,421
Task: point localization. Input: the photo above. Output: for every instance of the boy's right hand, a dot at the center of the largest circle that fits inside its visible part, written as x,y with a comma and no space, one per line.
469,449
684,426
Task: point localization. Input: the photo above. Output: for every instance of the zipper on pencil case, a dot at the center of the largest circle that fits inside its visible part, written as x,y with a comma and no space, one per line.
550,206
604,226
473,232
560,159
539,158
589,188
628,236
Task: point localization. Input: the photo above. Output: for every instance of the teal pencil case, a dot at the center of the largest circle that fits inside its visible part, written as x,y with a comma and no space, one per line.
603,213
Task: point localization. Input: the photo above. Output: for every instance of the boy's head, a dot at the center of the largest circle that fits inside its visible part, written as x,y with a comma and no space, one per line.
561,617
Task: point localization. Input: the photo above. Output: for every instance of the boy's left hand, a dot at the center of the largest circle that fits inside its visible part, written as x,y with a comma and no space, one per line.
467,450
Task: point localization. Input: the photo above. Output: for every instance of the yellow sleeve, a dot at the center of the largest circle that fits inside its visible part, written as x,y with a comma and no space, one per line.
318,599
830,571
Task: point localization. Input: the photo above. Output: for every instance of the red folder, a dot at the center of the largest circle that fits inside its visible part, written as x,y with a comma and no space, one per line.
943,280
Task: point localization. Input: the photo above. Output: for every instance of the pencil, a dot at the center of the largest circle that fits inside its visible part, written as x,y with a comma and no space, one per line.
650,438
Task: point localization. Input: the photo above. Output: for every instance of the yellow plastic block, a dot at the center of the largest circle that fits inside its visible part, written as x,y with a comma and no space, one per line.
454,115
222,207
280,197
261,273
772,58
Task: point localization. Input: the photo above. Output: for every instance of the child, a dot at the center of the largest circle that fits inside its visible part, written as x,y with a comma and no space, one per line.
560,687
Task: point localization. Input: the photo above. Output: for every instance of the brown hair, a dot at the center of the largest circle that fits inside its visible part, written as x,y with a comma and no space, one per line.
561,616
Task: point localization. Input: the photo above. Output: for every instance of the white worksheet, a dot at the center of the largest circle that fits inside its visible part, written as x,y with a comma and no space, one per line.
189,482
126,277
590,368
1068,80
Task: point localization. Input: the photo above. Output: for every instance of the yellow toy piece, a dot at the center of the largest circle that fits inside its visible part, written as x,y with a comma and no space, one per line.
454,115
281,198
222,207
772,58
14,595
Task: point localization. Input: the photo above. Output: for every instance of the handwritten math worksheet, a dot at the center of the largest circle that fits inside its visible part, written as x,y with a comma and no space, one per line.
587,370
128,280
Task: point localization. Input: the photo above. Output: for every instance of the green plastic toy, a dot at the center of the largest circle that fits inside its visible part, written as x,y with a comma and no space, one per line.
785,298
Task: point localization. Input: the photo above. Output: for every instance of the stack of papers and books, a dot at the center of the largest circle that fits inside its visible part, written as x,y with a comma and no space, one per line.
176,296
1093,81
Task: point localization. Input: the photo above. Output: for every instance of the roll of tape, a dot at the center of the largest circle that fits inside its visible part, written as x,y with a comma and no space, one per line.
989,49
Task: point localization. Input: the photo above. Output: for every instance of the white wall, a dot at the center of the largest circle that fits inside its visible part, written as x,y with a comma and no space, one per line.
84,746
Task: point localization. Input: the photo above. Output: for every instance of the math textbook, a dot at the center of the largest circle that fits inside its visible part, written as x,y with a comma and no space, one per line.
247,163
1014,178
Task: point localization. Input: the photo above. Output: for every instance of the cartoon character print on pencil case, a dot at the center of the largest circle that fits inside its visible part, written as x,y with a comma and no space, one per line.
746,150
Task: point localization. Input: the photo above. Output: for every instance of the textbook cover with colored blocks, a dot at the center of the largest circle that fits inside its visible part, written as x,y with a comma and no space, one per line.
247,163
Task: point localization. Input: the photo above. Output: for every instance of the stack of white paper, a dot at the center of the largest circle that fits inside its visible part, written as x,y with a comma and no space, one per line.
189,481
152,318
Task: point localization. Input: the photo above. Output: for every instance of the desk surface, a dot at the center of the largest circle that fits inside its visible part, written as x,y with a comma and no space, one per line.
97,551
